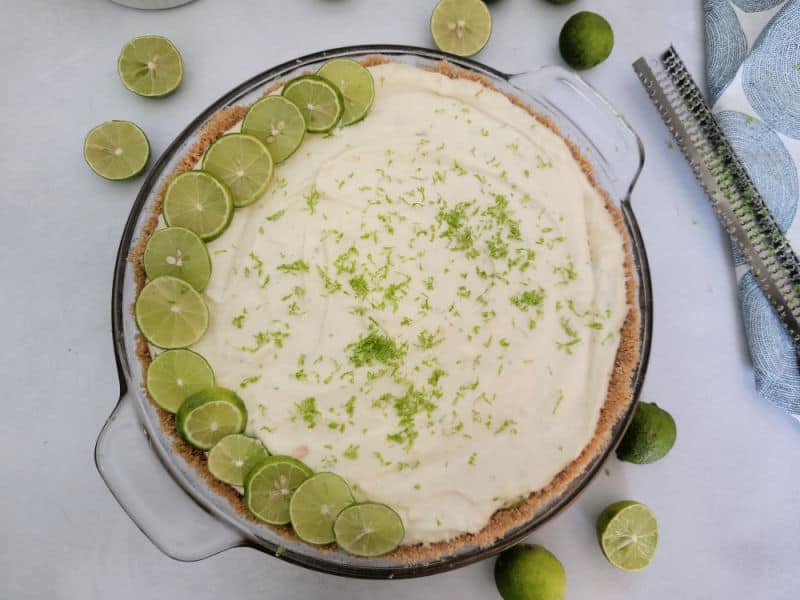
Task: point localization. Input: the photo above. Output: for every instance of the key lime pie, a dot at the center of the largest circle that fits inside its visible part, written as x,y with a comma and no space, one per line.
389,307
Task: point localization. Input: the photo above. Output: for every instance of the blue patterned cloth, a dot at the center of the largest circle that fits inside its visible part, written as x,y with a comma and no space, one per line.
753,73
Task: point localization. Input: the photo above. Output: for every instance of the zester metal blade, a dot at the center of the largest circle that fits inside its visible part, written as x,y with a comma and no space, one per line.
740,207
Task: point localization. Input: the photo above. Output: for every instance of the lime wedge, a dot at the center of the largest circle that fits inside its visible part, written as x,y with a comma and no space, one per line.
269,487
628,534
318,99
231,459
368,529
175,375
170,313
207,416
116,150
243,163
461,27
200,202
178,252
356,85
278,123
315,505
150,65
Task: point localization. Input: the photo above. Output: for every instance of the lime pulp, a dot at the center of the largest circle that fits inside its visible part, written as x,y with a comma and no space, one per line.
318,99
356,85
461,27
178,252
368,529
243,163
231,458
628,534
116,150
150,65
278,123
207,416
269,486
175,375
315,505
171,313
199,202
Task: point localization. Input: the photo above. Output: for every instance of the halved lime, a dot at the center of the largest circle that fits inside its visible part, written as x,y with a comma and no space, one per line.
200,202
150,65
368,529
318,99
116,150
278,123
231,459
269,486
207,416
243,163
628,534
178,252
355,83
315,506
170,313
461,27
175,375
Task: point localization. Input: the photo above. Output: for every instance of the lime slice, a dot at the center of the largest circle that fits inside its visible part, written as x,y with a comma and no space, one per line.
116,150
200,202
269,486
175,375
649,437
356,85
178,252
318,99
207,416
231,459
368,529
150,65
278,123
315,505
243,163
461,27
628,534
170,313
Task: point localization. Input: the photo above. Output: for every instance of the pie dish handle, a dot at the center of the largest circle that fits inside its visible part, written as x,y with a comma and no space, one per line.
587,119
155,502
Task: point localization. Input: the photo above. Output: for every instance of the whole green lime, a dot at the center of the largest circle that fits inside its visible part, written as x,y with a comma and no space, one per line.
650,435
586,40
560,1
529,572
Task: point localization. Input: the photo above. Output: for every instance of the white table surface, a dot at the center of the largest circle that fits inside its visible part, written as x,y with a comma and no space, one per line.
726,498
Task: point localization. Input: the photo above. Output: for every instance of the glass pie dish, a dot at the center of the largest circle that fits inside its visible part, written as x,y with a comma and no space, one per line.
172,503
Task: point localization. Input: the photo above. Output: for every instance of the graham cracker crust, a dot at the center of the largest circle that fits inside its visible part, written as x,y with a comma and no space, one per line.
618,398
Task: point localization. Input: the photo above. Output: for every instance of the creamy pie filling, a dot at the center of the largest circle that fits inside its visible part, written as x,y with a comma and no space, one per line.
427,303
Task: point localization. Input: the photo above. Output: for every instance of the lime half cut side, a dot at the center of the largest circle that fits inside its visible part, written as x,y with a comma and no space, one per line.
243,163
199,202
269,486
461,27
178,252
628,534
150,65
206,417
356,85
175,375
315,506
318,99
116,150
231,459
171,313
278,123
368,529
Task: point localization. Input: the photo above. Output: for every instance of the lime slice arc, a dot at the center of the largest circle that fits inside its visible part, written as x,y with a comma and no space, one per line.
207,416
180,253
243,163
269,486
199,202
628,534
231,458
171,313
318,99
278,123
356,84
461,27
150,65
175,375
368,529
116,150
315,506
